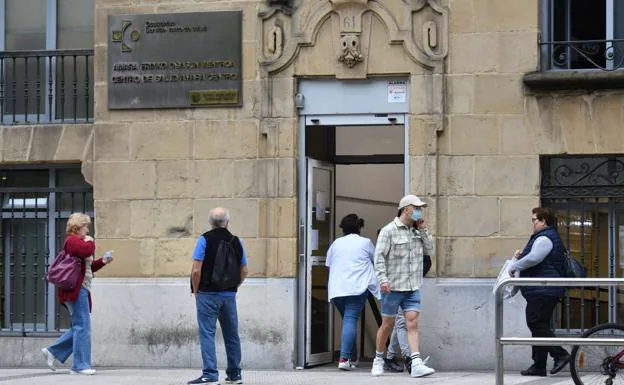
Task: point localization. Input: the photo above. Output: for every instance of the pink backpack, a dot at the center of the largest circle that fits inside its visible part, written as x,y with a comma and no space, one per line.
65,270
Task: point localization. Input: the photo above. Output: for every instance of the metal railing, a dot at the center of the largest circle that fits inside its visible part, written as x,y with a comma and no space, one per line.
606,54
566,282
48,86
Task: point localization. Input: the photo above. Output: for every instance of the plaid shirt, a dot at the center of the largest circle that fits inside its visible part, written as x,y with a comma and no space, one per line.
399,256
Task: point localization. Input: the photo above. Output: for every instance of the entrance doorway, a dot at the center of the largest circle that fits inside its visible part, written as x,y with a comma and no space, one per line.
353,164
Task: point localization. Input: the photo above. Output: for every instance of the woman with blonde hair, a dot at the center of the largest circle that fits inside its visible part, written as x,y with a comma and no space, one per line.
77,300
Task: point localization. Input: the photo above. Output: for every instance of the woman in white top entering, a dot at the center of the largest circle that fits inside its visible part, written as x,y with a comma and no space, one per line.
351,277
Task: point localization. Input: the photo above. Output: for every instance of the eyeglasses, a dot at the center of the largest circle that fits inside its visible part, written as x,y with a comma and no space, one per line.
534,220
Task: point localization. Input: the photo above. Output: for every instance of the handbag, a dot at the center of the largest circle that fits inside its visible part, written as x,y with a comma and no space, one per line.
65,270
572,268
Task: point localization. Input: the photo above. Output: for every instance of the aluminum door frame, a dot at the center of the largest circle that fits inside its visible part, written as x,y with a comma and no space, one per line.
324,357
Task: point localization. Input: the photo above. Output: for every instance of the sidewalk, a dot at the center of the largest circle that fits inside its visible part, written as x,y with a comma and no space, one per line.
317,376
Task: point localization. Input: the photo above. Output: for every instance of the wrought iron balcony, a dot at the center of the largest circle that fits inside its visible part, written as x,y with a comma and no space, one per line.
53,86
606,55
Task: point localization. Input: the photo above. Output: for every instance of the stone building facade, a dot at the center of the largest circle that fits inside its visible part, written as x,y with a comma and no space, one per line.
484,117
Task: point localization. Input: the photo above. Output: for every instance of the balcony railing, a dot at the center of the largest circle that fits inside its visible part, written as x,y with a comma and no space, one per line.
606,55
53,86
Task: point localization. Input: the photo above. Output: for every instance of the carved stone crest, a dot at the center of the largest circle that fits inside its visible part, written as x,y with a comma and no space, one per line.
350,47
420,27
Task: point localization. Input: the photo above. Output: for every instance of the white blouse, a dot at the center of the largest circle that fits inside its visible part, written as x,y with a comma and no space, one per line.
350,262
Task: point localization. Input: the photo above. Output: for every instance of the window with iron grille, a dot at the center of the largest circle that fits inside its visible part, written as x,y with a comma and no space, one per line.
581,34
587,195
36,203
46,61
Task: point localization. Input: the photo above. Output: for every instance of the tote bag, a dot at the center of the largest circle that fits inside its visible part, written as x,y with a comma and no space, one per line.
65,271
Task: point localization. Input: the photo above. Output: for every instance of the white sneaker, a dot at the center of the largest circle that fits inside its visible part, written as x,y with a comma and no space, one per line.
346,365
378,364
88,372
49,358
419,369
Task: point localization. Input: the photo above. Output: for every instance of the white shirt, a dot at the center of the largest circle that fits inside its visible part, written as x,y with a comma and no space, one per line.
351,271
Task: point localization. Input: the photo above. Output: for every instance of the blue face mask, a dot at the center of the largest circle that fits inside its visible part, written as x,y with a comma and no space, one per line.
416,215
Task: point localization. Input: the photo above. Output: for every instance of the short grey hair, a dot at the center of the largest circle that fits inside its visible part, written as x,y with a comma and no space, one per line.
218,217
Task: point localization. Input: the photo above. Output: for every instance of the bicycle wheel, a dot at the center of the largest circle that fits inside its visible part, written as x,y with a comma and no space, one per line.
593,364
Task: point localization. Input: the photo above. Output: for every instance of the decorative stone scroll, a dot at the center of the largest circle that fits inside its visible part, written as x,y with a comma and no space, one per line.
419,26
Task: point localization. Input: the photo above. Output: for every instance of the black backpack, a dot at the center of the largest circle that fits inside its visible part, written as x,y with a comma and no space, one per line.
426,264
226,271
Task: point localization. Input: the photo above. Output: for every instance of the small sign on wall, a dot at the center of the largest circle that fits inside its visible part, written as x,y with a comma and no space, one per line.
397,91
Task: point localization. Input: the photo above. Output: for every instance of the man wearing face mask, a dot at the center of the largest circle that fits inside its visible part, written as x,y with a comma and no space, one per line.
399,253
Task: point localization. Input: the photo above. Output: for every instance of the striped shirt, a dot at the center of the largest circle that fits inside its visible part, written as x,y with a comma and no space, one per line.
399,256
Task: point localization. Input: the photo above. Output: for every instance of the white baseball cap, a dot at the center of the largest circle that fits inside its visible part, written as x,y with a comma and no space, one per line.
411,200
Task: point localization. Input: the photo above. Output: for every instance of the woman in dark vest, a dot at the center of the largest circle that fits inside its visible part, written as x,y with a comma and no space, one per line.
543,256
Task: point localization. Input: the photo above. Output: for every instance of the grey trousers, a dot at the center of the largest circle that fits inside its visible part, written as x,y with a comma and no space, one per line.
399,337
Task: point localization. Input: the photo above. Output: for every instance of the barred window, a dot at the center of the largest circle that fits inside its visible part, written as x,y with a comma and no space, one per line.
581,34
46,61
587,194
36,203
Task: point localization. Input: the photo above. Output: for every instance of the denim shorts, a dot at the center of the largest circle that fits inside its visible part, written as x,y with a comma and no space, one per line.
407,300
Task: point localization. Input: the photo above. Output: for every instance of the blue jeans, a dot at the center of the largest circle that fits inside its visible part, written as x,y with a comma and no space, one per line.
77,339
210,308
350,308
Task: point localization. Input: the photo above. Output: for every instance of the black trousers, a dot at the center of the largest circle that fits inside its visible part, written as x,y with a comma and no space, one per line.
539,312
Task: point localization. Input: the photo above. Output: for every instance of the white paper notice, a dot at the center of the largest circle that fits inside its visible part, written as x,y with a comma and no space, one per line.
314,240
397,92
321,205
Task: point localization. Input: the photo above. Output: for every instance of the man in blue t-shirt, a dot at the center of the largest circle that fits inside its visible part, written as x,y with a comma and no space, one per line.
215,302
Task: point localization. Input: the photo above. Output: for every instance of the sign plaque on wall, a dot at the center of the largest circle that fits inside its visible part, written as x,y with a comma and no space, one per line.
175,60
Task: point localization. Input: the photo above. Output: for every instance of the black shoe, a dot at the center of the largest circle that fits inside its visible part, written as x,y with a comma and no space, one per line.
408,365
203,380
534,371
560,363
234,380
392,365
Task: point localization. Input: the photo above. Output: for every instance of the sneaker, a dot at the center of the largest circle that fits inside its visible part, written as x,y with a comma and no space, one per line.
49,358
88,372
355,362
408,364
392,365
345,364
234,380
378,367
203,380
419,369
